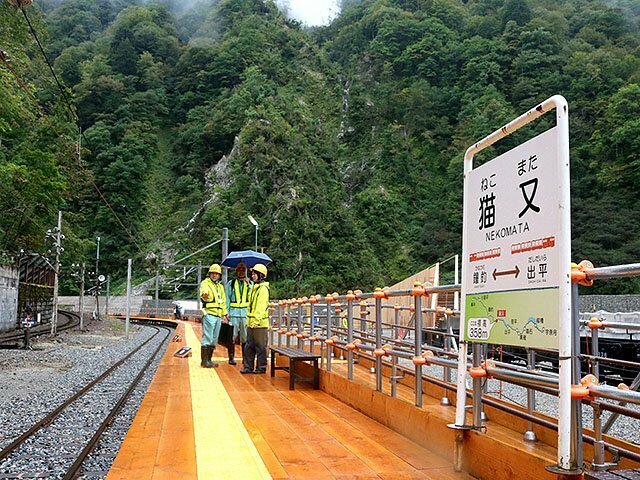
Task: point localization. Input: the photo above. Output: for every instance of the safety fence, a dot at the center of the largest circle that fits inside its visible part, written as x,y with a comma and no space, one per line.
420,339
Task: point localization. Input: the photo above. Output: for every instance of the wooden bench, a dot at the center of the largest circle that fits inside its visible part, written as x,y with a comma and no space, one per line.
295,355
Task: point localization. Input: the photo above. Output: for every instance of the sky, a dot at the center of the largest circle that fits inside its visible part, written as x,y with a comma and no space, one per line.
311,12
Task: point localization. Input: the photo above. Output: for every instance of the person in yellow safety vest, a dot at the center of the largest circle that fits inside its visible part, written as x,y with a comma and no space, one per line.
237,291
257,322
214,309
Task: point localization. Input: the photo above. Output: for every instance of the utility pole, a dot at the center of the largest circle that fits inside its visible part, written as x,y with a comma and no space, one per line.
106,300
82,297
126,327
97,279
225,252
198,286
59,249
157,285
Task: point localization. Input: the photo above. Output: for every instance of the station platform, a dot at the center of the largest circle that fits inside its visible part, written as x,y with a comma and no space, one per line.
197,423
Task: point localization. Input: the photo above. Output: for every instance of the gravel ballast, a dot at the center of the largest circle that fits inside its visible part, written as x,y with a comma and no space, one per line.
36,382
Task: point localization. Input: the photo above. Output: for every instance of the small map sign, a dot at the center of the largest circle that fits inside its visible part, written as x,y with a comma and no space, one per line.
513,268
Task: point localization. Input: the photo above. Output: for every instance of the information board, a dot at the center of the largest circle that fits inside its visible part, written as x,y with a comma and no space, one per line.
512,264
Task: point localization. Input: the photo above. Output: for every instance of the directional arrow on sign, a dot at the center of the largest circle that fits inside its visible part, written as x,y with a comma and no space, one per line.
515,272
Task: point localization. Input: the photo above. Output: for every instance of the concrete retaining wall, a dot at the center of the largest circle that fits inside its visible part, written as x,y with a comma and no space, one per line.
8,298
117,304
610,303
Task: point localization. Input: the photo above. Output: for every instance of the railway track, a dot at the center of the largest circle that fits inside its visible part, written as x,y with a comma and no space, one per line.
72,320
70,432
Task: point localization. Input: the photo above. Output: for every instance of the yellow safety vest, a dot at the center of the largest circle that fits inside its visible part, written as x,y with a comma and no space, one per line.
241,298
214,300
258,311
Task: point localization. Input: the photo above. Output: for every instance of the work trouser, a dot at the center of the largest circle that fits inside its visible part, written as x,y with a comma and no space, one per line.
210,330
238,318
256,347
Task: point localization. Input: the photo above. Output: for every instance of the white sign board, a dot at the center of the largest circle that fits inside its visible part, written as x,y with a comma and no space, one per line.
513,266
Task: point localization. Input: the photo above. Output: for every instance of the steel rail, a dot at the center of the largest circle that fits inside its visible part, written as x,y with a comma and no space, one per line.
50,417
73,321
86,451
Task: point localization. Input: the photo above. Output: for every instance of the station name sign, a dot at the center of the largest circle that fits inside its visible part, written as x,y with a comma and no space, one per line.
512,265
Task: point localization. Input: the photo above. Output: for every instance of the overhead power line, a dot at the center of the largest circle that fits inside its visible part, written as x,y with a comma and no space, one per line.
68,103
65,96
72,151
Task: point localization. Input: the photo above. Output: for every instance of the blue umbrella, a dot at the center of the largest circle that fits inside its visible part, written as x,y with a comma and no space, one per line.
248,257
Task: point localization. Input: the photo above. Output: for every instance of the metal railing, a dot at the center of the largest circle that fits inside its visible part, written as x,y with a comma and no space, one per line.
356,326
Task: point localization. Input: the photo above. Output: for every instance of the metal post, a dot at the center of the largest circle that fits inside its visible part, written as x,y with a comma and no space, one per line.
157,294
595,348
106,300
312,329
576,457
446,371
396,317
599,462
378,343
288,325
564,330
225,253
300,327
280,318
198,302
530,435
418,349
476,352
256,237
329,347
350,338
81,305
456,280
128,313
54,316
272,317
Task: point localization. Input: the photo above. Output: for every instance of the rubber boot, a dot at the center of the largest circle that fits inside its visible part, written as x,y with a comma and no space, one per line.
203,355
207,352
211,363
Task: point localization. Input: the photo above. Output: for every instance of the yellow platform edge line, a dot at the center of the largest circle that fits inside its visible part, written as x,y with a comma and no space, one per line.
224,449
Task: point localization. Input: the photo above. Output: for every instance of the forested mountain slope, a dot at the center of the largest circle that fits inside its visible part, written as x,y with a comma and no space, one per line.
345,142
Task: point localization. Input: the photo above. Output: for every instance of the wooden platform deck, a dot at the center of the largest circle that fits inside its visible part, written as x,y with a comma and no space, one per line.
218,424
